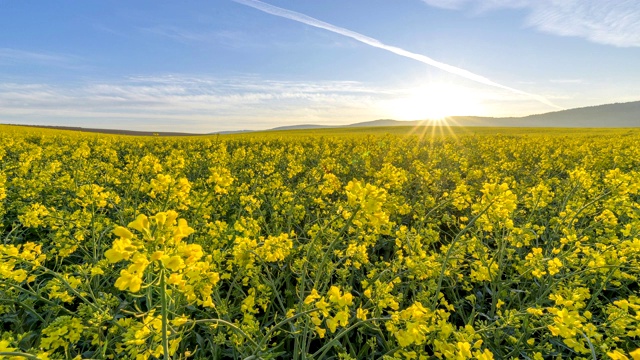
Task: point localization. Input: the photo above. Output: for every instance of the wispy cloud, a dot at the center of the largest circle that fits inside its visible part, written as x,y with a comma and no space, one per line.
605,22
178,102
109,30
295,16
176,33
567,81
9,55
190,103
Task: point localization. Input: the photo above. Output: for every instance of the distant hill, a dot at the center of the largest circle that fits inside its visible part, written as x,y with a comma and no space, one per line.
303,127
618,115
110,131
609,115
381,122
227,132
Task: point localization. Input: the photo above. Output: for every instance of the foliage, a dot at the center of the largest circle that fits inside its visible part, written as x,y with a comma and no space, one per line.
480,245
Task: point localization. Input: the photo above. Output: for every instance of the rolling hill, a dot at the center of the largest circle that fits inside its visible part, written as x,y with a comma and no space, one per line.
609,115
618,115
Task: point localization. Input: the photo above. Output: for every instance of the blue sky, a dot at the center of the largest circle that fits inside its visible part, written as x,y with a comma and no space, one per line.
204,66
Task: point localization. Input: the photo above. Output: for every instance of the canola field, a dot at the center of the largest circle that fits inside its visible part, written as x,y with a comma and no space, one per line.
377,244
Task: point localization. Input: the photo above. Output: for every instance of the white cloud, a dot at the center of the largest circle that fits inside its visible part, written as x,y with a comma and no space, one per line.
446,4
605,22
567,81
183,35
20,56
202,104
192,104
177,33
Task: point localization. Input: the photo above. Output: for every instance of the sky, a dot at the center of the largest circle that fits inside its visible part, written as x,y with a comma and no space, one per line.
207,66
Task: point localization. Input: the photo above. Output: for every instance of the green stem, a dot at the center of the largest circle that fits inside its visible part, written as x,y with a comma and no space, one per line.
230,325
323,350
37,296
31,310
16,353
267,336
448,254
69,287
163,311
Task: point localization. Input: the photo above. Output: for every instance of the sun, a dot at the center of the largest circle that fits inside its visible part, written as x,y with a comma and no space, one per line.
434,102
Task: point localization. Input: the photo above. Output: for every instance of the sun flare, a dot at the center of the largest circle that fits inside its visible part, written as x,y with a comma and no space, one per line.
435,102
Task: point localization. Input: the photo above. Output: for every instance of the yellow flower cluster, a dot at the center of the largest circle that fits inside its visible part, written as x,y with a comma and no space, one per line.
175,192
495,207
367,201
18,262
160,245
221,179
62,332
275,248
332,308
377,243
33,217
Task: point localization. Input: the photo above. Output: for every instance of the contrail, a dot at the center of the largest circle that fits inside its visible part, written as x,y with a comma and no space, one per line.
295,16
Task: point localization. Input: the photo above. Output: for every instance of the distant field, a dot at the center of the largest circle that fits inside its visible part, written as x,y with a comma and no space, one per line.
350,243
442,130
419,131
